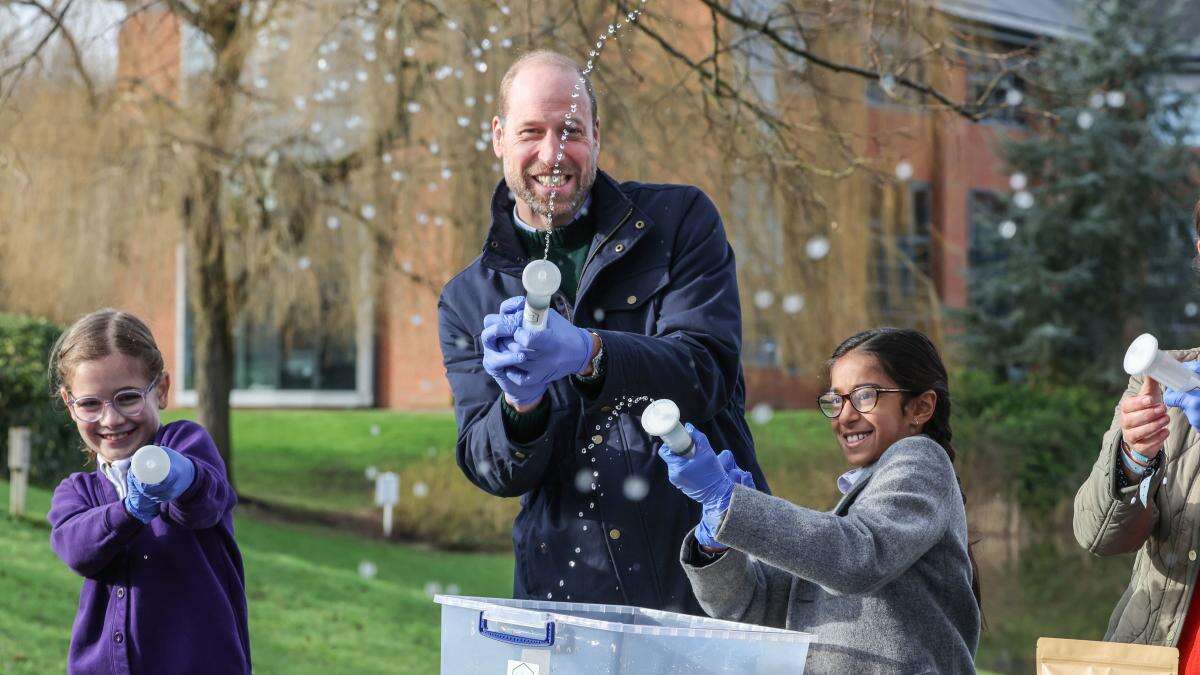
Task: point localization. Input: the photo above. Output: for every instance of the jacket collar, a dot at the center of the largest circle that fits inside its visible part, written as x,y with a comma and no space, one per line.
610,207
860,482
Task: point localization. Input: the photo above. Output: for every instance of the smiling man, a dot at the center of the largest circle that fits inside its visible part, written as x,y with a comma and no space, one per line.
648,307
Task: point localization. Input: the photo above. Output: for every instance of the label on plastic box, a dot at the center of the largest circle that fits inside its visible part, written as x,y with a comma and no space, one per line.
523,668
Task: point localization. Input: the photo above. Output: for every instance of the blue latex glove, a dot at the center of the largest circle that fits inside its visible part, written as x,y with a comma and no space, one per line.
558,350
179,479
137,502
708,478
1187,401
500,352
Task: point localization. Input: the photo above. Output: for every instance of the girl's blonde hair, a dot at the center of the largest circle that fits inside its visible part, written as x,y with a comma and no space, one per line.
100,334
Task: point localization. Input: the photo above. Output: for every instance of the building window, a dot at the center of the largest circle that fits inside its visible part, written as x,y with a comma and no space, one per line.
901,257
287,362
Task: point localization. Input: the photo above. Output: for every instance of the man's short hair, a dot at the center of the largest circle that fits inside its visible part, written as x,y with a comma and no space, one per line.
551,57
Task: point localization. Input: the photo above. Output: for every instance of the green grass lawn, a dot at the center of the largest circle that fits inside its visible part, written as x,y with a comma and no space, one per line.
310,611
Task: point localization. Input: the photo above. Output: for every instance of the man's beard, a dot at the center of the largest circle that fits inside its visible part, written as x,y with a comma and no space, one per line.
563,204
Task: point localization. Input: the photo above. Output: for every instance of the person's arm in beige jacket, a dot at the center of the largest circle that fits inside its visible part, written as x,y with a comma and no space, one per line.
1109,519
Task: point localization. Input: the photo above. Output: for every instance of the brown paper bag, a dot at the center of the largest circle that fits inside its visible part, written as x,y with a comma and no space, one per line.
1056,656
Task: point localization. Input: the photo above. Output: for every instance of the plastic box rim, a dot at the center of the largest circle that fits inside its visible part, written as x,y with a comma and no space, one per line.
537,611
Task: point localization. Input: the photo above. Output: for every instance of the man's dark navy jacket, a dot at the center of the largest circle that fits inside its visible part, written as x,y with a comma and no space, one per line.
662,272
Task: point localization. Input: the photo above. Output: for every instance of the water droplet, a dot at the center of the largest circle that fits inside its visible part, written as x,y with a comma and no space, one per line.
415,319
304,263
817,247
367,569
1017,181
1013,97
397,175
598,315
371,473
1096,100
904,170
549,596
420,490
763,299
762,413
461,342
1191,309
793,303
1115,99
362,76
368,211
577,550
561,583
413,107
1085,120
585,528
572,563
583,481
322,64
1023,199
481,66
636,488
1008,229
374,429
432,588
888,84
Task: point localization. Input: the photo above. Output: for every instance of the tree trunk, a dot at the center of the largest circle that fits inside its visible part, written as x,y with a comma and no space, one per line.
212,313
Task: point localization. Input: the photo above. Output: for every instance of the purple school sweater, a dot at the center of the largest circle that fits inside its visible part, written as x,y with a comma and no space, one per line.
164,597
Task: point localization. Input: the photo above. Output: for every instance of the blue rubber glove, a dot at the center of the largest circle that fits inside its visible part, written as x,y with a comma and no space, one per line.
708,478
179,479
1187,401
137,502
558,350
500,352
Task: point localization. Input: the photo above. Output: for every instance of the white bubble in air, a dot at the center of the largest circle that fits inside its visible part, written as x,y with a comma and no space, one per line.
1017,181
1191,309
763,299
432,588
793,303
762,413
904,170
1023,199
583,481
636,488
1096,100
1115,99
1008,229
1014,97
817,247
1085,120
333,223
368,211
420,490
367,569
375,430
371,473
415,319
304,263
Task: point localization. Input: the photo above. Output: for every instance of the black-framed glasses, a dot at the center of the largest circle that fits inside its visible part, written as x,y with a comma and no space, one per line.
128,402
862,399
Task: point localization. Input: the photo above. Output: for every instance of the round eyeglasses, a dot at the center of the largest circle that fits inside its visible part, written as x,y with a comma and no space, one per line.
128,402
862,399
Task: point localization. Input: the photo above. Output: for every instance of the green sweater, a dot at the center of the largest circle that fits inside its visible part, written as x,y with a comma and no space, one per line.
569,246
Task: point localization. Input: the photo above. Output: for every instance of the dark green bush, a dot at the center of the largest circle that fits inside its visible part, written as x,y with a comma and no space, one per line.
1042,438
25,400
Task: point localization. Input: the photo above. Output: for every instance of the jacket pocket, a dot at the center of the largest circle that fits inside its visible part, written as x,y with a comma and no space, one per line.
626,301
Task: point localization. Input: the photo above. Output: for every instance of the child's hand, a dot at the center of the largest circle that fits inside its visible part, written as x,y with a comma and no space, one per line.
137,502
179,479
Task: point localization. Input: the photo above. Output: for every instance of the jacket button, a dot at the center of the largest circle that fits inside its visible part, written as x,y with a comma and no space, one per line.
619,247
640,224
597,438
632,300
614,533
519,455
495,245
1192,556
120,592
118,637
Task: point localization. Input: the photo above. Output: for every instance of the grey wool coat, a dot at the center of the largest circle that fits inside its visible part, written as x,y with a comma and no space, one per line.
883,581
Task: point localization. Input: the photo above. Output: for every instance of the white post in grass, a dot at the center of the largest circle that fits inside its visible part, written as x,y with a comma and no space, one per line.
18,469
387,495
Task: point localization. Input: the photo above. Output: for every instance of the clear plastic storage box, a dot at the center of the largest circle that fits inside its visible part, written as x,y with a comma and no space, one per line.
481,636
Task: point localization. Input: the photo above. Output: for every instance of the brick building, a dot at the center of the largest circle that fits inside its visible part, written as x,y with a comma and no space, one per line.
393,359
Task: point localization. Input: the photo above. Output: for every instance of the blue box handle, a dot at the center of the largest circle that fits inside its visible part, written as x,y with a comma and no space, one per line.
519,640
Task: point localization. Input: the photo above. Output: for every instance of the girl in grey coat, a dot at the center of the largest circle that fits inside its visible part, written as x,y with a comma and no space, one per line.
885,581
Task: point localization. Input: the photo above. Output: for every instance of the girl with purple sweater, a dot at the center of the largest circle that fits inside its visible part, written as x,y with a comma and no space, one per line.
163,590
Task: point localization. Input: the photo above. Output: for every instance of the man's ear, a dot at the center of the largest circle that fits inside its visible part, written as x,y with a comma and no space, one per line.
498,137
